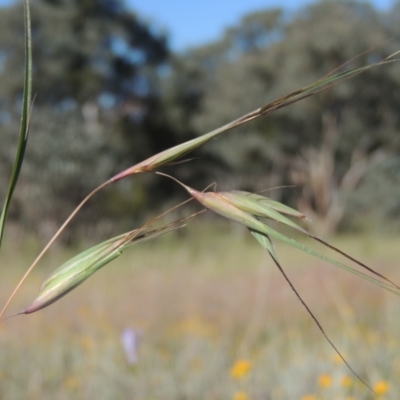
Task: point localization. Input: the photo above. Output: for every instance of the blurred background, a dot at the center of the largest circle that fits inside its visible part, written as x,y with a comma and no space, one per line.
200,315
117,81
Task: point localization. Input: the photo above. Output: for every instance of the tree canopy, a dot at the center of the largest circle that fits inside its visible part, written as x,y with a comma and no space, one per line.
270,54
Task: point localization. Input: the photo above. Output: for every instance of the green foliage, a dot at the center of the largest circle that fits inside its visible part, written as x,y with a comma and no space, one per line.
268,54
96,66
98,47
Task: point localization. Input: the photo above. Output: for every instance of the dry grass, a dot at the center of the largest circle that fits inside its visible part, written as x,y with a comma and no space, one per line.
203,303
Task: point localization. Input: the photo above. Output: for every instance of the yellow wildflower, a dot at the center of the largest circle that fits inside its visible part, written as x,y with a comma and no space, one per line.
381,388
325,381
346,381
240,396
309,397
240,369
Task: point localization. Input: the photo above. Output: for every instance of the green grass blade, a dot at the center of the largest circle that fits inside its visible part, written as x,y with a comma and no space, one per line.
24,129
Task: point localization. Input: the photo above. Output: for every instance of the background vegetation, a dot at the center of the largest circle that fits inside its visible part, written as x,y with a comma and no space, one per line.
213,325
110,92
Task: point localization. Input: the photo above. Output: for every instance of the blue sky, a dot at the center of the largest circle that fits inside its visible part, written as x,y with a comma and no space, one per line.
194,22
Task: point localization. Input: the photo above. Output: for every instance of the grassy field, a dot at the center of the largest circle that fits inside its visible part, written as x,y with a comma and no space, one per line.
215,320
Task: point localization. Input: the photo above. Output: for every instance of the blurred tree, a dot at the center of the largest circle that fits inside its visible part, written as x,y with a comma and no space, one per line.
97,68
270,54
86,50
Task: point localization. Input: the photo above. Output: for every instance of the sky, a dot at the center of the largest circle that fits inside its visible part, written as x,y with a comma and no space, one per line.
195,22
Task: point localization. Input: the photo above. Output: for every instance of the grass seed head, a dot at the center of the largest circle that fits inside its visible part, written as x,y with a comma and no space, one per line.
70,275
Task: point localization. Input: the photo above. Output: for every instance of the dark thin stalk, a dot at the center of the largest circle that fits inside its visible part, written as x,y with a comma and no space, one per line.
318,323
